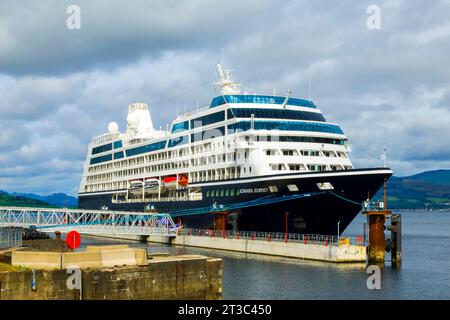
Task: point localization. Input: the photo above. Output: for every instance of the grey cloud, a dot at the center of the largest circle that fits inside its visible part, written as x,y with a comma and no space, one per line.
36,40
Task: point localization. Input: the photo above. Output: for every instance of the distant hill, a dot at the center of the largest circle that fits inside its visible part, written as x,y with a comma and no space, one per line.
441,177
9,200
56,199
31,199
426,190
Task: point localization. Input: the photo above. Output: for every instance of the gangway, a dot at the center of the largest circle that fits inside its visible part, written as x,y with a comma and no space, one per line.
101,222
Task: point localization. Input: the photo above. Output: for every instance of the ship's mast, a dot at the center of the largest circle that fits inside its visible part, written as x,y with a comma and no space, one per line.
225,81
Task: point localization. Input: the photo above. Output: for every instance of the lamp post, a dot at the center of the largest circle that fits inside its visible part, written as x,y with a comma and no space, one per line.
286,227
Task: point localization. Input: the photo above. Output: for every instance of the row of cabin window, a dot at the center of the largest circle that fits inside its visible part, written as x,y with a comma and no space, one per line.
310,153
297,167
223,192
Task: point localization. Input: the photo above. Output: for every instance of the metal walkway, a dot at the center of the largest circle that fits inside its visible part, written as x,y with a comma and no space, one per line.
99,222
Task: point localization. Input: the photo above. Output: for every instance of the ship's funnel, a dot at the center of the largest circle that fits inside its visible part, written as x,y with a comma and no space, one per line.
139,120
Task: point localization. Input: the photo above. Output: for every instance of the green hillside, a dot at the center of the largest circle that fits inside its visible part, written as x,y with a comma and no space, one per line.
7,200
440,177
426,190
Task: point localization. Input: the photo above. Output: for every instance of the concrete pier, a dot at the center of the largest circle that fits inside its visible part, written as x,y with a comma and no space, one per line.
311,251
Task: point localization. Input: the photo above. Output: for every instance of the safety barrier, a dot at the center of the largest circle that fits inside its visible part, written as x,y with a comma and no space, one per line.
10,237
270,236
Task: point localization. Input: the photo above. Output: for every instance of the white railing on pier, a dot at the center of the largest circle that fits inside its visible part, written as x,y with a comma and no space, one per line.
102,222
271,236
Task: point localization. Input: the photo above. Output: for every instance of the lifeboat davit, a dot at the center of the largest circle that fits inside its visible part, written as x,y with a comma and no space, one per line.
135,185
152,184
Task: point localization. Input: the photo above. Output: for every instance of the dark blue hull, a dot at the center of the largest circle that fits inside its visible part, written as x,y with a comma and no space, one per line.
317,213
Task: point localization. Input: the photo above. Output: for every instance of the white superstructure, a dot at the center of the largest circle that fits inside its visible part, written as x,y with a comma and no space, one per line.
237,135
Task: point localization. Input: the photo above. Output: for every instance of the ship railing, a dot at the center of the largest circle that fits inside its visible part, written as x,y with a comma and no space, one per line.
267,236
191,112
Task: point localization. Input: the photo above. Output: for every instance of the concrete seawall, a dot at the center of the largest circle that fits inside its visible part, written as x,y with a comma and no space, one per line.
310,251
172,277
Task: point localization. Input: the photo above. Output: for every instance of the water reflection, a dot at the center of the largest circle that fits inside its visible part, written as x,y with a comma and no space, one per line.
424,273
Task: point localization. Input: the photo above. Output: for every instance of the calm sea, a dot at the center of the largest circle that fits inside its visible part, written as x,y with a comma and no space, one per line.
424,274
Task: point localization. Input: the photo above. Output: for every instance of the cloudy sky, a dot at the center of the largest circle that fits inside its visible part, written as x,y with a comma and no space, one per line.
60,87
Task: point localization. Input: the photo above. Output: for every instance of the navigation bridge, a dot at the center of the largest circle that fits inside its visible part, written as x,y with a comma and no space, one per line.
100,222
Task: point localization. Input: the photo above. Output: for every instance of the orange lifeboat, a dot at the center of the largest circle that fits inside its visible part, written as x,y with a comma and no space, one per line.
183,181
171,181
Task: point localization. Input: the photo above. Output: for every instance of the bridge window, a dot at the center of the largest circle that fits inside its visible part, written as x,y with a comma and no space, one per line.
285,125
101,159
274,114
103,148
146,148
178,141
208,119
221,100
182,126
118,155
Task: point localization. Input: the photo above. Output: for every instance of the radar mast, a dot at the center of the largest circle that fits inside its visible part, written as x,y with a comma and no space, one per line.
225,81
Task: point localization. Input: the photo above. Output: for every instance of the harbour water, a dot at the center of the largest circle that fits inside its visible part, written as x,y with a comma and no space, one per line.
424,274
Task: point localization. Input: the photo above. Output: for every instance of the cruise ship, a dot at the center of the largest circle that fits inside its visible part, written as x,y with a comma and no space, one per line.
246,162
